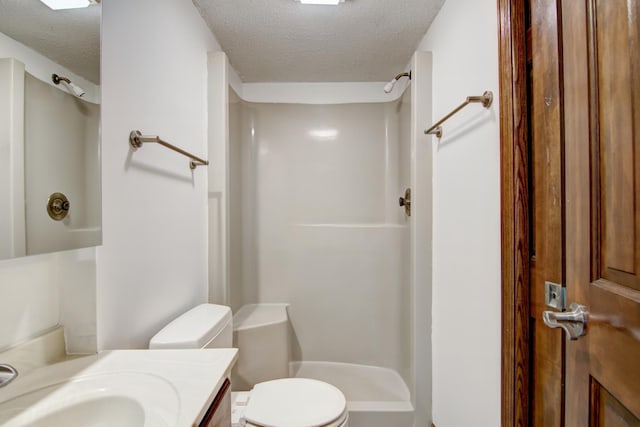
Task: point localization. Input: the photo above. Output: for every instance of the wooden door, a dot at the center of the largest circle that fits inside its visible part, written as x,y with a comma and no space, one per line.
601,63
584,108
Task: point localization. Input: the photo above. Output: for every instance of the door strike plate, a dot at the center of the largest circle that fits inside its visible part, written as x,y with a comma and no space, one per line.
554,295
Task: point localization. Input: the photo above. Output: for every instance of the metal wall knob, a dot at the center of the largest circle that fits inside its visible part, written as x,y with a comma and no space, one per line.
58,206
406,201
572,322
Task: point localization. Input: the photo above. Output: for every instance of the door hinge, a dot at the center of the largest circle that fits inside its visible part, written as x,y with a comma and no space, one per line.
555,295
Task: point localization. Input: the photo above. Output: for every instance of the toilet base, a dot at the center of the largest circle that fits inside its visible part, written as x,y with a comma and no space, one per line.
239,401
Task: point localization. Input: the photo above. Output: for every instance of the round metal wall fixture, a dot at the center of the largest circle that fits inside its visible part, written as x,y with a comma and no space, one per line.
406,201
58,206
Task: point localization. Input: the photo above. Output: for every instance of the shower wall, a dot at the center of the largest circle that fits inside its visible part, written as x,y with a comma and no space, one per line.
314,222
61,155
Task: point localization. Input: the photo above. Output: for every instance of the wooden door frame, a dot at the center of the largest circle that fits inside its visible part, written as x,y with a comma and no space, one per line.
514,209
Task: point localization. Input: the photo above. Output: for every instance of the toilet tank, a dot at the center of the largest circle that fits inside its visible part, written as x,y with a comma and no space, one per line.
261,334
204,326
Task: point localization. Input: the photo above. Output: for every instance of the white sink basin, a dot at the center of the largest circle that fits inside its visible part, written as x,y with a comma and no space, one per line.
118,399
127,388
101,412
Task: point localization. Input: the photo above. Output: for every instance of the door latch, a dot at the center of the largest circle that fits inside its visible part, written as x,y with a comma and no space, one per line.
554,296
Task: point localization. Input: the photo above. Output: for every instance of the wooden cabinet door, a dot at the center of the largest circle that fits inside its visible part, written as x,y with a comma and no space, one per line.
219,413
601,81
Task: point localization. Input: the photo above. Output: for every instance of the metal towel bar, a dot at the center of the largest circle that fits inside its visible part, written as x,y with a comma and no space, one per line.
486,99
136,139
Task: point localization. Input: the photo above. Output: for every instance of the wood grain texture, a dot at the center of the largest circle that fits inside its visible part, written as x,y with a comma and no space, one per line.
614,343
577,203
219,413
546,377
607,411
614,61
601,40
614,48
514,213
548,209
601,168
614,335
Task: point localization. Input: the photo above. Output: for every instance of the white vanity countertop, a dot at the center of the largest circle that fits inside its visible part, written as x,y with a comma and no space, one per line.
194,375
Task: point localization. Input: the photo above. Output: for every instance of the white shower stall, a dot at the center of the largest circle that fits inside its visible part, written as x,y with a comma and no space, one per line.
305,211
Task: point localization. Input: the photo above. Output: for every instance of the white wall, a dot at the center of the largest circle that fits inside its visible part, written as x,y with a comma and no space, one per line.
241,206
29,296
466,289
153,262
220,75
42,291
421,238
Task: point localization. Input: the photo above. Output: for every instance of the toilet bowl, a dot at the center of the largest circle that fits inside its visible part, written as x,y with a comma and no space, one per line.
294,402
284,402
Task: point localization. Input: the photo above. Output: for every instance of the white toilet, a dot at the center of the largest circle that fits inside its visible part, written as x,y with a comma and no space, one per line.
285,402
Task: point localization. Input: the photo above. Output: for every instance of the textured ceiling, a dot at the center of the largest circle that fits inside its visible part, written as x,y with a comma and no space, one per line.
266,40
69,37
285,41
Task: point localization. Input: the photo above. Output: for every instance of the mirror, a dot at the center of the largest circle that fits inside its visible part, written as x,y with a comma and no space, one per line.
49,128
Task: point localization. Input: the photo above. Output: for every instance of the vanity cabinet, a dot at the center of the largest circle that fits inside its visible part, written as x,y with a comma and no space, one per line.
219,413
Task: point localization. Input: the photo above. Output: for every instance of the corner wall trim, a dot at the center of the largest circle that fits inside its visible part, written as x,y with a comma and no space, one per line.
514,213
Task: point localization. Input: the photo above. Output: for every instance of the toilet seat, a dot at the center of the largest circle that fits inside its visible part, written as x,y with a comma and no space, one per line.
296,402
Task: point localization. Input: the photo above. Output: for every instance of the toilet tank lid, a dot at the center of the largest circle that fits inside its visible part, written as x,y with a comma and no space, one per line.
193,329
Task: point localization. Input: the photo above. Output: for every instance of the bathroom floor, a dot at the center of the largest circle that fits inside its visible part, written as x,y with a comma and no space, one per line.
239,401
